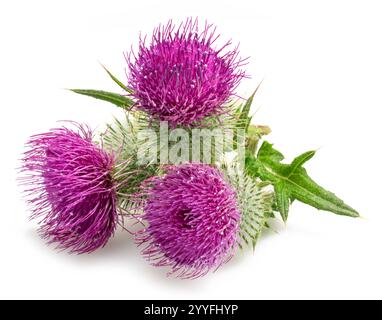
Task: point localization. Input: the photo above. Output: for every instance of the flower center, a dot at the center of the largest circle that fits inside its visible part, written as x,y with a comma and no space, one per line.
184,218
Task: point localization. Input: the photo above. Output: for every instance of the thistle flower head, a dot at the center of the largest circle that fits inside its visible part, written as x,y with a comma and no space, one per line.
192,220
181,77
69,186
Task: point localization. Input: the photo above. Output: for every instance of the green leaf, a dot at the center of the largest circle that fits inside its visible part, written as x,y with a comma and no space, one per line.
115,98
282,199
118,82
244,118
291,182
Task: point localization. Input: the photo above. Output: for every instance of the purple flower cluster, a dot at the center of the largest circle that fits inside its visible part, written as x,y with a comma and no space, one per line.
180,77
78,190
69,186
193,216
193,220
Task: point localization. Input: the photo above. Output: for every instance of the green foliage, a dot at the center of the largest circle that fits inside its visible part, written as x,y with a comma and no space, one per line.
291,181
114,98
118,82
244,117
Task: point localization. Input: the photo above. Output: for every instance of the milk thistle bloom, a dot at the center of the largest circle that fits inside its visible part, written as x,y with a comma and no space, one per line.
195,216
192,220
70,187
181,77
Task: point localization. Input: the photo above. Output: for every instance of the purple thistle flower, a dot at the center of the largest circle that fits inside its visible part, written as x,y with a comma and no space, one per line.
70,187
181,78
193,220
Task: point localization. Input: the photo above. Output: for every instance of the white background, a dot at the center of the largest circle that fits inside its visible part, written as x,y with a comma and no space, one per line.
322,71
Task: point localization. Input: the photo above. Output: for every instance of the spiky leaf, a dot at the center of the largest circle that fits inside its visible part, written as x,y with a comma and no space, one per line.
114,98
245,118
291,181
118,82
